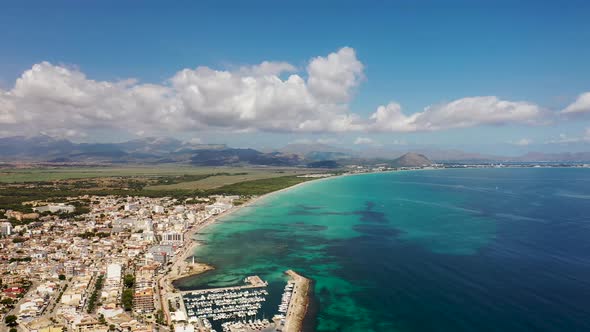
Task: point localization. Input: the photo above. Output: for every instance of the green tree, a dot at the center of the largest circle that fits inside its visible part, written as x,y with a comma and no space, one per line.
10,320
13,330
62,277
6,301
95,293
160,317
129,280
127,299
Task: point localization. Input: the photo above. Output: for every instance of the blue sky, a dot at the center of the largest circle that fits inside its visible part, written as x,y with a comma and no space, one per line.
414,53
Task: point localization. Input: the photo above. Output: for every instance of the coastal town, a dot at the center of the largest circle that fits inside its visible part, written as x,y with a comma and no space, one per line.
107,263
295,166
97,263
98,271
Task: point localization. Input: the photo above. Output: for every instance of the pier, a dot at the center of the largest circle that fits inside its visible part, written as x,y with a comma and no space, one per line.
298,302
251,282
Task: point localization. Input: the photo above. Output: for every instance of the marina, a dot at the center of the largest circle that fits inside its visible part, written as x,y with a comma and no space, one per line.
238,308
227,304
280,318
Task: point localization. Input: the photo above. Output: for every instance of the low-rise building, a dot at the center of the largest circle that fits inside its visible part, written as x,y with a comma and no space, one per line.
55,208
218,207
20,216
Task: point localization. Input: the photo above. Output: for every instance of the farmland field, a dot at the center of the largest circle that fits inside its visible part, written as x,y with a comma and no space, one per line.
23,185
55,174
216,181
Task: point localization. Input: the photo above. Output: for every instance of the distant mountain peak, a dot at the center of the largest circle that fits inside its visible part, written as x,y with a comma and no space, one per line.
412,159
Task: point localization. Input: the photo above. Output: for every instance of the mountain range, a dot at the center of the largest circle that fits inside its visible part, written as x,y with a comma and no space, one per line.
157,150
154,150
435,154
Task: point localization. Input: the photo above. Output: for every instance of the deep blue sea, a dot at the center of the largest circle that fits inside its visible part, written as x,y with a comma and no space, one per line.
417,251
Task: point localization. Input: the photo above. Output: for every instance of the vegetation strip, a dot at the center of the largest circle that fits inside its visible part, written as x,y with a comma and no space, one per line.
94,296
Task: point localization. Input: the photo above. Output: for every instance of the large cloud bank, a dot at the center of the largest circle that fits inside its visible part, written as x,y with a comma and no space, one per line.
271,96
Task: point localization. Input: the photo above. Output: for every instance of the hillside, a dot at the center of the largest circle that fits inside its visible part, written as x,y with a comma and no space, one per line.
411,159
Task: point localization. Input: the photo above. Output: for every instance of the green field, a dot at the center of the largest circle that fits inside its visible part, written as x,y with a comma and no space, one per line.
259,187
53,174
217,181
23,185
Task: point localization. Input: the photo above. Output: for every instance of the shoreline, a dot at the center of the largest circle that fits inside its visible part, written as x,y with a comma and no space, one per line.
179,267
186,253
180,264
256,199
178,270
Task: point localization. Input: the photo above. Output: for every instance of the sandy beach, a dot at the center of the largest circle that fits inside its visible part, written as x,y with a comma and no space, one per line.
183,267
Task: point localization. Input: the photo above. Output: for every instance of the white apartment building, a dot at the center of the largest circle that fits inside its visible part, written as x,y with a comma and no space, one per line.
172,237
5,228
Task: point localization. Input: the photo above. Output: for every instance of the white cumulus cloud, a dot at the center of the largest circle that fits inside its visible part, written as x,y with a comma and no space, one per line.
460,113
581,105
270,96
331,78
49,97
268,68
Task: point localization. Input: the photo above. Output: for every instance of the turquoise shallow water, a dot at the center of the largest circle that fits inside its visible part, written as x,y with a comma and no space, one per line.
444,250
